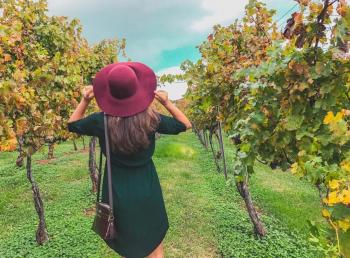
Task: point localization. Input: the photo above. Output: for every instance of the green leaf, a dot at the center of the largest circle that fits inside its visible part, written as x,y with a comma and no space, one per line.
293,122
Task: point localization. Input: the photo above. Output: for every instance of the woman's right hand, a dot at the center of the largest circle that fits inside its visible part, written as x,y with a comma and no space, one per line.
162,97
88,93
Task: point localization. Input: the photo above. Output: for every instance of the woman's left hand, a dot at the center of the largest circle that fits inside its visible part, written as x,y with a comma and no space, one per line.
88,93
162,97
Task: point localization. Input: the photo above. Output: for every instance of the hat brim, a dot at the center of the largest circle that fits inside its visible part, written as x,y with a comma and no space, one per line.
147,84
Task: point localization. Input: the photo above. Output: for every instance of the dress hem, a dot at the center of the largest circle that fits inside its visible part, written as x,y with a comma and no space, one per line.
147,252
158,242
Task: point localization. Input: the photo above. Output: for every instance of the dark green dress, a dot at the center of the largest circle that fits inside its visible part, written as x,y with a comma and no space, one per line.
141,217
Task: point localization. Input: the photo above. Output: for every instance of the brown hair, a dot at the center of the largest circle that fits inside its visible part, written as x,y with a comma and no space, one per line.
131,134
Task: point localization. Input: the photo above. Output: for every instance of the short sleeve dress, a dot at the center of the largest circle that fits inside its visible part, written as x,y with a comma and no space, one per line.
141,216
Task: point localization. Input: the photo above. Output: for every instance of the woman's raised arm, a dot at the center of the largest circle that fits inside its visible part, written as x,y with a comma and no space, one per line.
79,112
162,97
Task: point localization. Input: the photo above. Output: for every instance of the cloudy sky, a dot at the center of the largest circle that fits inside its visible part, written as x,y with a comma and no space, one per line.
160,33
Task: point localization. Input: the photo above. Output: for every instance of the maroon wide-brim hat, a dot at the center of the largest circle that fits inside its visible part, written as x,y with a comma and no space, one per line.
124,89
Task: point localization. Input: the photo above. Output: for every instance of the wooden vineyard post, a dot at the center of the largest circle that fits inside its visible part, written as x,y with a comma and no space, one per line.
216,155
75,145
205,138
243,190
84,146
41,233
93,170
222,147
21,154
50,151
201,137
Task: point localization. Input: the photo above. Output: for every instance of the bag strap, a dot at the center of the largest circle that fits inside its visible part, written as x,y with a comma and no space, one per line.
109,168
108,160
99,177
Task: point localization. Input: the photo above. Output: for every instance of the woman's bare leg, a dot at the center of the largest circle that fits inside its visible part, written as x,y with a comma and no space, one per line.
158,252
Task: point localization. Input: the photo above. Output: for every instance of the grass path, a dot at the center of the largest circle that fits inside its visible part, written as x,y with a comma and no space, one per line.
207,218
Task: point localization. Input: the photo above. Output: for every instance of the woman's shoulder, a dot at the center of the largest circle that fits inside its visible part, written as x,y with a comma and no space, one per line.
163,117
91,125
170,125
98,115
95,118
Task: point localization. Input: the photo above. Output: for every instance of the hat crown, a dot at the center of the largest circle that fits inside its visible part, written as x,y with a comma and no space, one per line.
122,82
124,89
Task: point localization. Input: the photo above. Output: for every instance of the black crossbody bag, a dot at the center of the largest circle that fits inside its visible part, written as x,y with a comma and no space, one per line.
104,223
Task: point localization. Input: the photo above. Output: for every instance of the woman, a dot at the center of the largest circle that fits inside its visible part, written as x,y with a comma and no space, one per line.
124,91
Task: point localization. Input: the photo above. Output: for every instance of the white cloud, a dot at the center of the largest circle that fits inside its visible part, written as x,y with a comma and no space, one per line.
150,27
219,11
171,70
175,90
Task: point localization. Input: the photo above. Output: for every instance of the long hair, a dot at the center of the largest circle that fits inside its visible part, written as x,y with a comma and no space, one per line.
130,134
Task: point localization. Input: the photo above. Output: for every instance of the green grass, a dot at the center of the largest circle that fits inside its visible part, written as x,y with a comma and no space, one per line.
290,199
207,217
297,199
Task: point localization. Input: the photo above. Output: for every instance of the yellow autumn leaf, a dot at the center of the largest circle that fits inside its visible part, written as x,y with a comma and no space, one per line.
345,165
334,184
338,117
328,118
346,197
8,145
334,198
326,213
294,168
344,224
